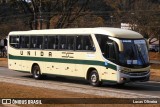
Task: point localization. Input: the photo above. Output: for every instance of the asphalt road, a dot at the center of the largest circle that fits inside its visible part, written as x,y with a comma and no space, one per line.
147,89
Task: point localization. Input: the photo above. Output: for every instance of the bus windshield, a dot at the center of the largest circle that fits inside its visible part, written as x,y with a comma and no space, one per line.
135,53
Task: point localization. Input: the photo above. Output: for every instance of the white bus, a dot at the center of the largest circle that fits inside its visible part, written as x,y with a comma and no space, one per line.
94,54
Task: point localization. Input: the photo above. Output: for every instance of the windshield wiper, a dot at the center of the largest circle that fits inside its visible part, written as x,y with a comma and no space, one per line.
140,55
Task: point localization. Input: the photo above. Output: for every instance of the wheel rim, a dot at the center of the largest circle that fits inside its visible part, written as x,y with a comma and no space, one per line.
36,72
93,78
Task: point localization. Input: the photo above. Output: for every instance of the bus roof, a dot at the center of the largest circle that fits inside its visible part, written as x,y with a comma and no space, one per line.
113,32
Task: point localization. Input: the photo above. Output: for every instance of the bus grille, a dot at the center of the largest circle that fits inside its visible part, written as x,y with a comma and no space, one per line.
138,73
139,79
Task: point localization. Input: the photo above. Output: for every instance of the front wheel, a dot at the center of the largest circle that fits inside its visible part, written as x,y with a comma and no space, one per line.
36,72
94,78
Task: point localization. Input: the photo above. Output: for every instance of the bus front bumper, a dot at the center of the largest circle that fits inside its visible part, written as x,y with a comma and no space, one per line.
134,77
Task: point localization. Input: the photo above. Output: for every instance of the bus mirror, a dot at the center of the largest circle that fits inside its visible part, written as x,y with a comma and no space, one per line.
147,43
119,43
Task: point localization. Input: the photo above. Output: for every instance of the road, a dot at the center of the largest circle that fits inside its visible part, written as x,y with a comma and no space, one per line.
154,61
148,89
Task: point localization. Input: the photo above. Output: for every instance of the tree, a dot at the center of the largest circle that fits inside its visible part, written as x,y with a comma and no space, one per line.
43,11
142,15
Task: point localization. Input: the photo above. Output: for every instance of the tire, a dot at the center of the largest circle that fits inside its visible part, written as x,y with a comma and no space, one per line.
94,79
36,72
120,84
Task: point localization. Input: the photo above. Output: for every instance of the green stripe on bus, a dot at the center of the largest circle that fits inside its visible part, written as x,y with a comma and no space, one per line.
60,60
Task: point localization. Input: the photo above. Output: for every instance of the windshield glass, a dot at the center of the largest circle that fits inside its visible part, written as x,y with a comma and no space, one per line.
135,53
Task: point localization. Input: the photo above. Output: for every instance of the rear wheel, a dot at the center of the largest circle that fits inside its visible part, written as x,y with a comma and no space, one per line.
94,78
36,72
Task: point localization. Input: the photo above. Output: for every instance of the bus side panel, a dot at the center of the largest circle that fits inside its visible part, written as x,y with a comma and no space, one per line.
109,74
80,70
13,63
54,68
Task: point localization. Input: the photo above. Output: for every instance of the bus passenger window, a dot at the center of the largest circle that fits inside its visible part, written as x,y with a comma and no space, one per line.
24,42
88,43
45,42
110,53
84,43
70,42
33,43
79,42
14,41
63,42
39,42
52,42
101,39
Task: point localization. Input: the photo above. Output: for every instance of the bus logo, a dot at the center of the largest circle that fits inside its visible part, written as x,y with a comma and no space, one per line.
6,101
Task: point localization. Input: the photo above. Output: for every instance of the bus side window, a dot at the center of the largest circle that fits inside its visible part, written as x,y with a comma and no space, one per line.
101,39
62,42
79,43
14,41
33,43
88,43
39,42
52,42
45,42
84,43
70,42
24,42
110,53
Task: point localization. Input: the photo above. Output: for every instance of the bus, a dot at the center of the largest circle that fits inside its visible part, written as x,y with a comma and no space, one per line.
95,54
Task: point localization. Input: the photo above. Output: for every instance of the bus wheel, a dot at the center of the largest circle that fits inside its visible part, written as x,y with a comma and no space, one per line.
120,84
94,78
36,72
